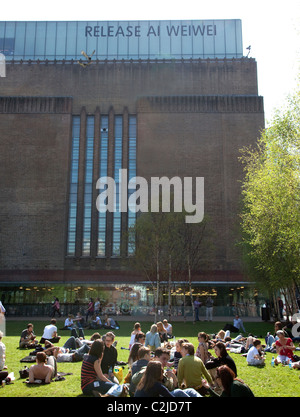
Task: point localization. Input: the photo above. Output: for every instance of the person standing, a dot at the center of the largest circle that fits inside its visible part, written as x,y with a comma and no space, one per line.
209,308
280,307
2,318
56,308
197,305
97,306
3,367
90,309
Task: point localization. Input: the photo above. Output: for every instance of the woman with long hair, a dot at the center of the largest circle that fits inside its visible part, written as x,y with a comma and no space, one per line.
151,383
162,332
136,329
202,349
230,385
222,358
92,377
152,338
133,355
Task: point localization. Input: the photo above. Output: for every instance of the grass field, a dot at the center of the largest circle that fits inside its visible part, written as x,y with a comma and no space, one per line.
265,382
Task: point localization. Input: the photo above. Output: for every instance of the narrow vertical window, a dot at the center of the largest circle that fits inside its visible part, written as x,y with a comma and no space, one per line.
88,187
73,186
131,175
102,173
116,250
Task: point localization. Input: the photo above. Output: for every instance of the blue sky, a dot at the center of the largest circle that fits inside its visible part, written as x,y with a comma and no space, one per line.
271,27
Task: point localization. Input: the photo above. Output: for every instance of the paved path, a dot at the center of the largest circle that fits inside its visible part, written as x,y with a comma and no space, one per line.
227,319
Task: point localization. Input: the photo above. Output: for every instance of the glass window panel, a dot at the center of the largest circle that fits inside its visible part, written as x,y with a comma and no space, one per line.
73,188
209,40
71,39
91,42
165,41
7,46
112,41
186,44
230,33
50,40
220,39
81,40
61,33
133,41
40,40
154,42
198,39
2,35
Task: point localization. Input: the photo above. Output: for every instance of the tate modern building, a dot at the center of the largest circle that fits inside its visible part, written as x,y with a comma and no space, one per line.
85,100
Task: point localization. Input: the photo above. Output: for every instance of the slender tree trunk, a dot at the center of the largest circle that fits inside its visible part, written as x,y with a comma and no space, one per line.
287,303
190,286
169,289
157,287
184,303
276,307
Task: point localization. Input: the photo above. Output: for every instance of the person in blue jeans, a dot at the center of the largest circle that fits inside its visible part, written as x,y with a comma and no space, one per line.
197,305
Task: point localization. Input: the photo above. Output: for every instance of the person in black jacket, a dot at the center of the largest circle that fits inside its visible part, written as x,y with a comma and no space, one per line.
110,357
222,358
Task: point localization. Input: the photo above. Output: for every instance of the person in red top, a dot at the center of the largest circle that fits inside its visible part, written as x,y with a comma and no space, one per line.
284,348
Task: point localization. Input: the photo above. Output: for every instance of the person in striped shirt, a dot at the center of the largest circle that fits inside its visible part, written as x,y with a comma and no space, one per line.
92,377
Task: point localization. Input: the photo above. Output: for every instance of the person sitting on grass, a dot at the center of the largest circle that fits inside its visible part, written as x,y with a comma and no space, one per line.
230,385
138,367
202,349
109,323
50,333
177,354
151,383
191,370
169,328
254,355
110,357
136,329
284,348
69,323
152,338
162,332
44,370
28,338
92,377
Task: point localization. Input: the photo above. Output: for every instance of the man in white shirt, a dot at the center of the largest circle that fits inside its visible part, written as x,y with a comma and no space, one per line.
50,333
254,357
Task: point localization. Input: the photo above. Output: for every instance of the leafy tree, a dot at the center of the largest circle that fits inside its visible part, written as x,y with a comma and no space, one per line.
270,218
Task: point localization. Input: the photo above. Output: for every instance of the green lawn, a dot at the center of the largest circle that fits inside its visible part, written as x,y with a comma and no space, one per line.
264,382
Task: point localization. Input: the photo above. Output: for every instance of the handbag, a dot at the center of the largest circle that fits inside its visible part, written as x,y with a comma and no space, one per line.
24,372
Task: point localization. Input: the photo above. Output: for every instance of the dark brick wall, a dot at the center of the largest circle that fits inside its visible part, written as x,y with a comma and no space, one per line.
193,117
34,155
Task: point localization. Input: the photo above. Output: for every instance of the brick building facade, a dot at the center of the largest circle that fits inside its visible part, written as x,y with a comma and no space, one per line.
190,118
